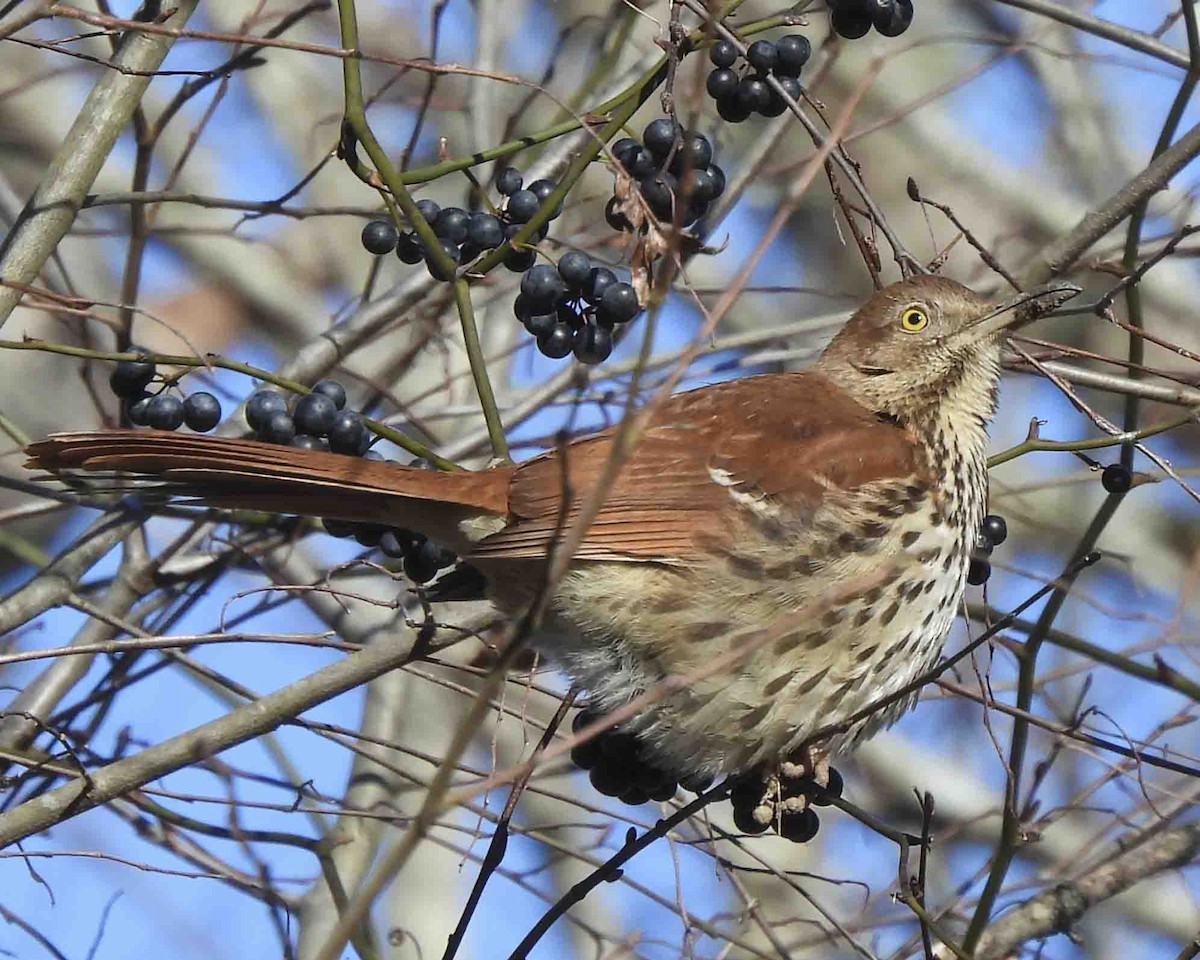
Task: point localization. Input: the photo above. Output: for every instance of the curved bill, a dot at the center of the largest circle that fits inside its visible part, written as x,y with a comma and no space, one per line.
1019,309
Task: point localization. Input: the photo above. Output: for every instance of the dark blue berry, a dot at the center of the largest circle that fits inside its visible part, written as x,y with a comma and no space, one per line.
978,572
1116,478
592,343
369,534
518,261
642,164
721,82
451,224
614,217
557,343
304,442
429,209
599,279
262,404
542,190
983,545
409,249
396,543
794,51
278,428
348,435
731,109
850,21
995,528
201,412
540,324
333,390
542,286
704,186
659,137
522,205
620,303
379,237
695,153
659,194
799,827
136,409
447,272
623,150
722,53
314,414
165,412
753,94
762,56
508,181
130,377
485,231
574,267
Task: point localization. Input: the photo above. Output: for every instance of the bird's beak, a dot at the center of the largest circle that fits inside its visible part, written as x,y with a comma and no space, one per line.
1018,310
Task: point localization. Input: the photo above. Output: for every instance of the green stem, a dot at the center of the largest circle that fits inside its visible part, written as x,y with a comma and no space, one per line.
1037,445
491,415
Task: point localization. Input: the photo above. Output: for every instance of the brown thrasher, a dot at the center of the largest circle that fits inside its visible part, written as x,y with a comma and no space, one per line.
743,502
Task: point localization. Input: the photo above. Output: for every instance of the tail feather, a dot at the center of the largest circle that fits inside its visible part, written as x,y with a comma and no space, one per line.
252,475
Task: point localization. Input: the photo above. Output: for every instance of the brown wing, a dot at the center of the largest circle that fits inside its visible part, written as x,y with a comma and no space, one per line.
776,441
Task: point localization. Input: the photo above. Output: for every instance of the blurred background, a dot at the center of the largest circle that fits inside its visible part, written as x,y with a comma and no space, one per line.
1020,122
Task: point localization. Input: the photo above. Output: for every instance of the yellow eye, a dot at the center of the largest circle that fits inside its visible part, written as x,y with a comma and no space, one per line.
913,320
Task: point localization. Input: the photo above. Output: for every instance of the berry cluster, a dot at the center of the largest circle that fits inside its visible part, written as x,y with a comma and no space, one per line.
738,97
993,533
574,307
464,236
853,18
674,173
422,558
200,411
617,767
783,803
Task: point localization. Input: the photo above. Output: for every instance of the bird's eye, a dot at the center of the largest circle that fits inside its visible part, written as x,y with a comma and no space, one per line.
914,319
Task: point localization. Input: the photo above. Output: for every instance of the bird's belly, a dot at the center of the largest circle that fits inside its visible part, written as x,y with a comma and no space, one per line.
763,650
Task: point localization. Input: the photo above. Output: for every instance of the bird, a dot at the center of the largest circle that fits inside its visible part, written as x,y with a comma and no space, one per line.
832,509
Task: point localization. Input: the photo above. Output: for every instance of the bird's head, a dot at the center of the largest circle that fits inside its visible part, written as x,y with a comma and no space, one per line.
929,345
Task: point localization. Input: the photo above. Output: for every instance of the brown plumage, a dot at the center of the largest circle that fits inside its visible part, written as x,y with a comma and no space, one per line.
742,502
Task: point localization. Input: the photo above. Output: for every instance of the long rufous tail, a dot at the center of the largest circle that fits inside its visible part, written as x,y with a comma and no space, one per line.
253,475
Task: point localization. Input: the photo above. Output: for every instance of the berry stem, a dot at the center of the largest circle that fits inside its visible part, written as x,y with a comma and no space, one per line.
483,384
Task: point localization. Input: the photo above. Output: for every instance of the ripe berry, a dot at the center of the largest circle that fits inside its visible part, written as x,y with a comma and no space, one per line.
995,528
704,185
978,572
409,249
901,19
129,378
369,534
451,224
620,302
641,163
338,528
423,563
518,261
762,56
663,789
348,435
333,390
586,755
314,414
396,543
542,190
429,209
485,230
695,153
557,343
201,412
262,404
542,286
623,150
508,181
599,279
743,819
659,137
659,193
165,412
634,795
592,343
608,778
447,272
522,205
723,53
615,218
136,409
753,95
721,82
824,797
278,427
1116,478
731,108
303,441
799,827
850,21
983,545
379,237
574,267
794,51
696,782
